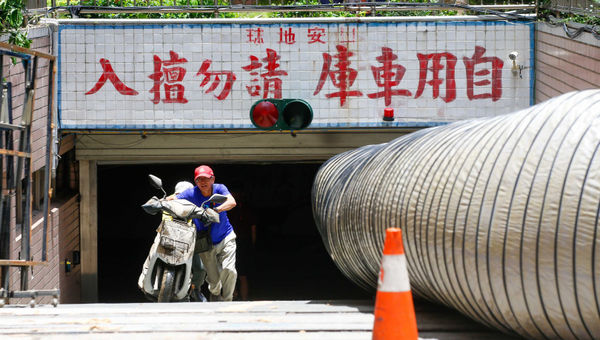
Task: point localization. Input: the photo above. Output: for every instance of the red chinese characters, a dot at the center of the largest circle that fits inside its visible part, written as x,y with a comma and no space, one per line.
109,74
388,76
496,82
166,73
436,68
342,79
316,35
271,81
347,35
255,35
208,75
481,77
286,36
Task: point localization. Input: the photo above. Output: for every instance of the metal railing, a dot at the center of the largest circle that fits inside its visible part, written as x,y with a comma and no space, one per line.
76,8
579,7
196,3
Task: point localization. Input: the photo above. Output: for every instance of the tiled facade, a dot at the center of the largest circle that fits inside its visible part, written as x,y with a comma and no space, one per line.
207,75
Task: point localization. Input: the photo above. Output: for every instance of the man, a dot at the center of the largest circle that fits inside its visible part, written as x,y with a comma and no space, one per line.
198,272
219,262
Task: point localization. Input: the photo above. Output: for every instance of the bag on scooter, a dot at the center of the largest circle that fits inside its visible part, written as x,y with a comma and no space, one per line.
173,236
203,241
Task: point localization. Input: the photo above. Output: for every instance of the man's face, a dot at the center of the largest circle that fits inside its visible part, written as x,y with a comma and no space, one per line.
205,183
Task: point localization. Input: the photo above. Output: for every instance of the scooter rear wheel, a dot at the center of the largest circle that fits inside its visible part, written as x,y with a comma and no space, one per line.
167,286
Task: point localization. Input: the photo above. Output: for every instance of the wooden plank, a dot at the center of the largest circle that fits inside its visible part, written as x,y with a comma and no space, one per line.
239,322
15,153
233,322
11,126
30,293
88,231
268,154
67,142
211,141
227,146
203,335
26,51
37,190
229,320
21,263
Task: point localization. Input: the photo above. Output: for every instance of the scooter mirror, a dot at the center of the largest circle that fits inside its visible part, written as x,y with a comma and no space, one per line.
155,181
217,198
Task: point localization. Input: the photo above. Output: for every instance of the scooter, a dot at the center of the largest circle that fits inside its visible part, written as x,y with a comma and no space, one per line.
166,275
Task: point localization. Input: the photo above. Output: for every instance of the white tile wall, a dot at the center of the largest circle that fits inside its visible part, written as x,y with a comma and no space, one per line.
130,51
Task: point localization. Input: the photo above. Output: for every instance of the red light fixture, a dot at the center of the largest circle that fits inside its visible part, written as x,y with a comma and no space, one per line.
265,114
291,114
388,114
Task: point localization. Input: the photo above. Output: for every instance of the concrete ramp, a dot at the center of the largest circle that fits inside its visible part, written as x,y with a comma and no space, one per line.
259,320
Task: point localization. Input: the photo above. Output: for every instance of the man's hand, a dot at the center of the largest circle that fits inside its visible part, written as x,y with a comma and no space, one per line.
229,204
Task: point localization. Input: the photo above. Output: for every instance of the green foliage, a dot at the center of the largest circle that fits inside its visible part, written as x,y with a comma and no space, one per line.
586,16
11,20
549,15
336,11
153,3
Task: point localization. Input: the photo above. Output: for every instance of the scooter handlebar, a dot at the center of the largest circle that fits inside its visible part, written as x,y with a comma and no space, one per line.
181,209
153,206
206,216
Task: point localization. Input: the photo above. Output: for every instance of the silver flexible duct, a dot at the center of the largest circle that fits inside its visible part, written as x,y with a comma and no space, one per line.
499,215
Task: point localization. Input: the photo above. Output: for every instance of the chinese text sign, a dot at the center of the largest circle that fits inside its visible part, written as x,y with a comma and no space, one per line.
207,76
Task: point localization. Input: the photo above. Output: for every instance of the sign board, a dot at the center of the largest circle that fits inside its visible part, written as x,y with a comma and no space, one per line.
207,74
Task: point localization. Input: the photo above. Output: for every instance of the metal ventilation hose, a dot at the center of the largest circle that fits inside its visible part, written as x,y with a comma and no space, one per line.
499,215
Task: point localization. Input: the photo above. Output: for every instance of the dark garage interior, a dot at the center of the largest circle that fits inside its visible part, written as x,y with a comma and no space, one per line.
289,261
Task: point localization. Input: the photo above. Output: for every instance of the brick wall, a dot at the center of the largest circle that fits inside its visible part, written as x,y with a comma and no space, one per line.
70,283
42,42
42,276
63,239
63,229
564,64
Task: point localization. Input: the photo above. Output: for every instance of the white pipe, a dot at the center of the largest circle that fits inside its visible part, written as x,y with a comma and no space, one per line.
499,215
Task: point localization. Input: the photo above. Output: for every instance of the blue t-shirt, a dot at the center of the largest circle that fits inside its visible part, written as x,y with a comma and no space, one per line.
218,231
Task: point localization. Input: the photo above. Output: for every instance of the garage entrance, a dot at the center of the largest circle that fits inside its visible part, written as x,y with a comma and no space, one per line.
289,261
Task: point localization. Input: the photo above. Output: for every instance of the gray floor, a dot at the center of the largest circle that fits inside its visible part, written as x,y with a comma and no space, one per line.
330,320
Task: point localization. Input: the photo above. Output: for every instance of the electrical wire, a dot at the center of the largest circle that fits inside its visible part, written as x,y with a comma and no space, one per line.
573,32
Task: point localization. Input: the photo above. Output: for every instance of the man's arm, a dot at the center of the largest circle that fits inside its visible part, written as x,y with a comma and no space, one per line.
227,205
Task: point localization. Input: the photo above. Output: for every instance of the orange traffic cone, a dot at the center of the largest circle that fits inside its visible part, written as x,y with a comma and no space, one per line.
394,309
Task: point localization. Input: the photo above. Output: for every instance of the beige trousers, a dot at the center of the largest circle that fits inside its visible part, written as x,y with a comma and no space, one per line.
219,263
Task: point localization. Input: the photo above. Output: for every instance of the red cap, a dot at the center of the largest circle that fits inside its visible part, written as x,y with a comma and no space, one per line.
203,171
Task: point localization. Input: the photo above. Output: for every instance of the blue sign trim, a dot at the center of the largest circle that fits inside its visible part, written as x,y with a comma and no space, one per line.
250,126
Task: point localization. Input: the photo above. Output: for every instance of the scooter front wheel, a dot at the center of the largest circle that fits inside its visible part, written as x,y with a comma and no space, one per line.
167,286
